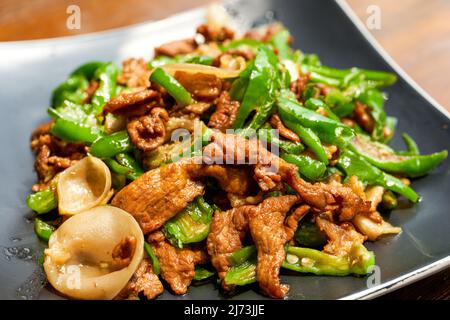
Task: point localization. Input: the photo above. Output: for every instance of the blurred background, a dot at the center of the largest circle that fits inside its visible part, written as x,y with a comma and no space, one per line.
416,33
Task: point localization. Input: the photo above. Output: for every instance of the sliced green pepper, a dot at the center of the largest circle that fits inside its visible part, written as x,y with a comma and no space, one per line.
129,162
42,202
109,146
154,259
309,235
190,225
173,87
354,165
411,145
107,77
268,135
383,157
374,99
42,229
203,274
306,260
74,88
259,94
314,104
73,131
280,42
307,166
328,130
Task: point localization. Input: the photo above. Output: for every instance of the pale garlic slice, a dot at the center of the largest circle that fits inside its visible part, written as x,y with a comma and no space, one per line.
83,186
93,254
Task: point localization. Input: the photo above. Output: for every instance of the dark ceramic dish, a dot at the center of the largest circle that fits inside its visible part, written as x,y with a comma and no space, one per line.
30,70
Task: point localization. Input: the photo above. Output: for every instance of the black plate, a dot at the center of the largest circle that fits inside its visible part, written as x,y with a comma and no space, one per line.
30,70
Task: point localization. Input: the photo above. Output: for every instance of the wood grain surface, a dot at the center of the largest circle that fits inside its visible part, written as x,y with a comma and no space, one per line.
415,32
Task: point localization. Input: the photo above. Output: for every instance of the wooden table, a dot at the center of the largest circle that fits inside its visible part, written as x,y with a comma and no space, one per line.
417,35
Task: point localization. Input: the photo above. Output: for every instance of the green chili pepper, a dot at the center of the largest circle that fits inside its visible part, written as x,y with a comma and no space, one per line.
116,167
267,134
383,157
307,166
380,77
341,104
129,162
411,145
73,131
73,90
240,85
308,234
42,202
107,77
155,262
240,256
328,130
187,58
354,165
259,94
280,42
109,146
173,87
306,260
203,274
87,70
235,44
190,225
314,104
43,230
374,99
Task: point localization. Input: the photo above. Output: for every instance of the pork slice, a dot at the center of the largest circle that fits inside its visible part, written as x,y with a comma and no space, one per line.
271,232
177,265
143,281
228,229
159,194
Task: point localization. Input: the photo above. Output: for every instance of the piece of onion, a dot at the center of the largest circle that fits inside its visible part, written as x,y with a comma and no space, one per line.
83,186
372,229
79,261
199,68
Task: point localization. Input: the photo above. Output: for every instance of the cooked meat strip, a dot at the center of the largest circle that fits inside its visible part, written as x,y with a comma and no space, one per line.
203,87
197,108
135,74
159,194
228,229
177,265
225,113
123,251
53,155
175,48
270,171
134,103
215,34
148,132
362,116
90,90
242,200
143,281
236,180
299,85
341,238
276,123
270,233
